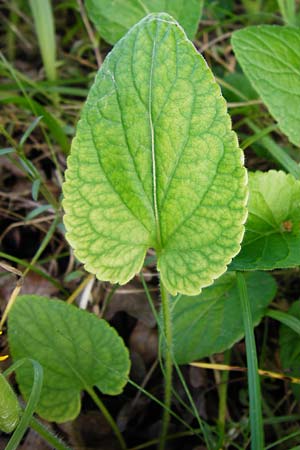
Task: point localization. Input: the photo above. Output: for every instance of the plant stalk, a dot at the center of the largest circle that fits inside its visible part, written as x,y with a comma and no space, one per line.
223,387
107,416
256,422
47,435
167,325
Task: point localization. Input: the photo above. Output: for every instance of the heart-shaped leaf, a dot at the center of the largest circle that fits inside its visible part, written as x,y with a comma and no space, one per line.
75,349
269,56
155,164
114,19
272,238
212,321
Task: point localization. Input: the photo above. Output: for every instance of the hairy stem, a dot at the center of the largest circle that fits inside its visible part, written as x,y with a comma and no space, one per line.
167,325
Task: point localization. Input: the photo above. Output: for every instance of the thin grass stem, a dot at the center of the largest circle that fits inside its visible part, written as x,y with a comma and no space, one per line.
107,416
256,422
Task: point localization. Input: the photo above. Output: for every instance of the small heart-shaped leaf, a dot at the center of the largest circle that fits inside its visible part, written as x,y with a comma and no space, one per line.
272,238
75,349
155,164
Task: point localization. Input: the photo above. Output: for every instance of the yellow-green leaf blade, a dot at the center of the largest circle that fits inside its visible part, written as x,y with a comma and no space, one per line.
155,164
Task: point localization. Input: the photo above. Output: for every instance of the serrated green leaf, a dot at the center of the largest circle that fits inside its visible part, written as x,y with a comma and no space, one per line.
289,342
269,56
272,238
212,321
155,164
75,348
114,19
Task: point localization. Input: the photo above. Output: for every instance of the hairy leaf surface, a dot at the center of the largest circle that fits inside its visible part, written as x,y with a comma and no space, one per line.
212,321
75,349
155,164
272,238
114,19
269,56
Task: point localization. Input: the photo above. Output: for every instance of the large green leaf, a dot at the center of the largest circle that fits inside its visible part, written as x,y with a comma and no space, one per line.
272,238
212,321
155,164
289,342
75,348
269,56
114,19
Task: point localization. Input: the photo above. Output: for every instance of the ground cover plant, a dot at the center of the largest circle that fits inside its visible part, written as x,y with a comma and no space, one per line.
132,281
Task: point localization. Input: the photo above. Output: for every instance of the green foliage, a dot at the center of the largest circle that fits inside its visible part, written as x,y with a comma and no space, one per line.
272,238
76,349
155,164
290,347
269,56
114,19
10,409
44,27
212,321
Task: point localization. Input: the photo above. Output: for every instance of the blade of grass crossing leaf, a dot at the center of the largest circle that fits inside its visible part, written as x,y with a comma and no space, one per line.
44,26
285,318
256,422
276,151
31,404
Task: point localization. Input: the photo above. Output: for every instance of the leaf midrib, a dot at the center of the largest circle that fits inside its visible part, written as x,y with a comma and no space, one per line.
152,140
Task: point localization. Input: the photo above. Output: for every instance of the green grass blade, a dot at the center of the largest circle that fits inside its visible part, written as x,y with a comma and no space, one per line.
44,26
256,422
285,318
277,152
